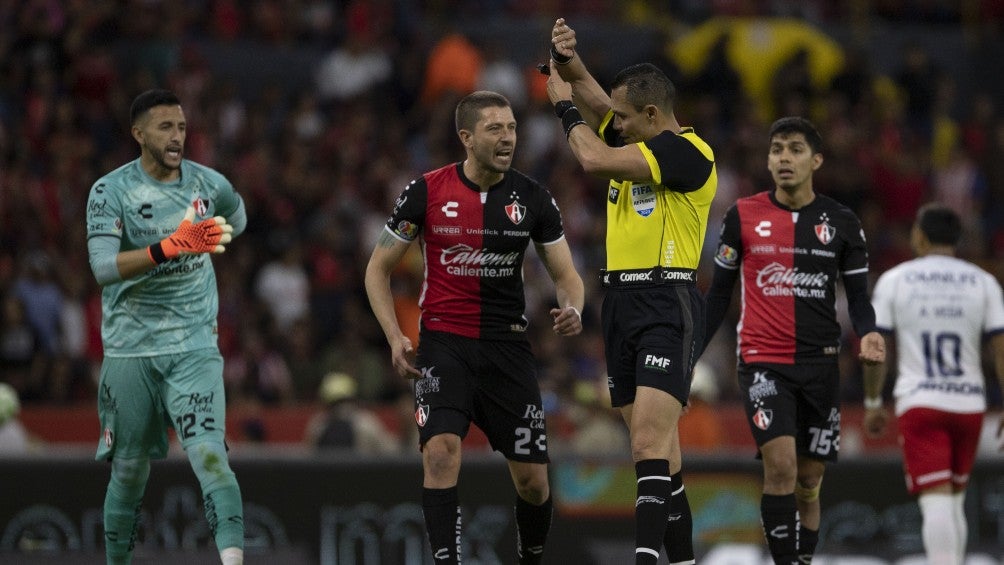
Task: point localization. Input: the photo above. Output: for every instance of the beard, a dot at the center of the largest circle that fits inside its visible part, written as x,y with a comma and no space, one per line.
159,156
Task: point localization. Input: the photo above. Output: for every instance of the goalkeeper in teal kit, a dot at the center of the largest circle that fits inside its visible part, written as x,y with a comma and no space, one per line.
151,225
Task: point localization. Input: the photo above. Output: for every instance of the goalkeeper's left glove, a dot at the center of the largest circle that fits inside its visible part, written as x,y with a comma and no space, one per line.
207,236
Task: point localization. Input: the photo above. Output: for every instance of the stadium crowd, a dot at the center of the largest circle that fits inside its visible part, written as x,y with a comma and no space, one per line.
320,160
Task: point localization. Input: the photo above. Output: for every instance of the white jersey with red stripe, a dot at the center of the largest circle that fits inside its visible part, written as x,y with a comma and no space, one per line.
939,308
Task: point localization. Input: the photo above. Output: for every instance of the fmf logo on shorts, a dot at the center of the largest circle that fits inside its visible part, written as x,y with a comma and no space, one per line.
656,362
763,418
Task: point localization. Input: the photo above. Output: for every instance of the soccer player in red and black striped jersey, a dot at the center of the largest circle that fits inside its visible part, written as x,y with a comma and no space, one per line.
789,246
474,221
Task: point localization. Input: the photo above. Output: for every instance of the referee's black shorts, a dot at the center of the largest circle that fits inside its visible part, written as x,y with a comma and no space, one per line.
651,334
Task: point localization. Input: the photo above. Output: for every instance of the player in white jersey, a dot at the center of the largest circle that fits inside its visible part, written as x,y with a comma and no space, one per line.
939,309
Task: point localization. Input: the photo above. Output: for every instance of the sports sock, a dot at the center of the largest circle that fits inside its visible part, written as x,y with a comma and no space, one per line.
961,526
123,500
940,536
220,494
532,524
779,515
651,509
232,556
443,523
679,537
807,540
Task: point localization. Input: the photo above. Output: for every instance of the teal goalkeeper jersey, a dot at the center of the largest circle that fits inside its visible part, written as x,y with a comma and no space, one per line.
171,308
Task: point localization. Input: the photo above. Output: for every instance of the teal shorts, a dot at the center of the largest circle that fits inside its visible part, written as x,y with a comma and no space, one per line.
140,397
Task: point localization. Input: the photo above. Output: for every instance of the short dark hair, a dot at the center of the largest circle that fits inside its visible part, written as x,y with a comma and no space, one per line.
646,84
798,124
469,108
150,99
940,224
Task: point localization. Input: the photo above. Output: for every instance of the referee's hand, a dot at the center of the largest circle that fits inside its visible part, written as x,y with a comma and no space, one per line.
567,320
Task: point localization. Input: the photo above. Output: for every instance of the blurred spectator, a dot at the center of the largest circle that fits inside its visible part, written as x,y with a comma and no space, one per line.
700,427
283,286
351,352
21,359
345,423
960,184
42,298
258,374
599,429
72,376
14,437
500,74
917,77
359,64
454,67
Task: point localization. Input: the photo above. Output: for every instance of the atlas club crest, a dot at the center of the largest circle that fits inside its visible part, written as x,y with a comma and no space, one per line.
824,231
515,211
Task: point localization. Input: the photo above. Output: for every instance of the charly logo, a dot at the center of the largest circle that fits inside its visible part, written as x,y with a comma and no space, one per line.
763,228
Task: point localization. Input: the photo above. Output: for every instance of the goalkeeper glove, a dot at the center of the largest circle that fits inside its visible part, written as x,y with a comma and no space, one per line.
207,236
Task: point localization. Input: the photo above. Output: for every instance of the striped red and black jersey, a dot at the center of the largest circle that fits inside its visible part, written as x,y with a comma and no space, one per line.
790,261
473,244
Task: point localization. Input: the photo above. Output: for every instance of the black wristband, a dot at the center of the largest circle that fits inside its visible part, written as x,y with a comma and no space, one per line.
558,57
571,118
562,106
157,253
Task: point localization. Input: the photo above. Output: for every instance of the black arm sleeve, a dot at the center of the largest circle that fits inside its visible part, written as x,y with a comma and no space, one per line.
717,301
858,305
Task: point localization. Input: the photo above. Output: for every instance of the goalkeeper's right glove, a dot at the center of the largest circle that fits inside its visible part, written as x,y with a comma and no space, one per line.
207,236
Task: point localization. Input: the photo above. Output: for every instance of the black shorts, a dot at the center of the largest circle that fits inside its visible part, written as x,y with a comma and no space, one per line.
650,336
802,401
490,382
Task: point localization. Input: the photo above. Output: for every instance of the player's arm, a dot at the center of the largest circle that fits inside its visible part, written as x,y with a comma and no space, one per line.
110,265
589,96
557,258
862,314
238,218
387,253
876,417
717,300
596,157
728,260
